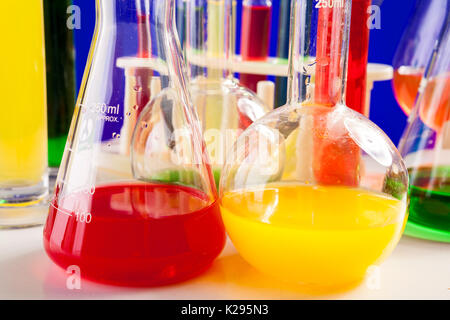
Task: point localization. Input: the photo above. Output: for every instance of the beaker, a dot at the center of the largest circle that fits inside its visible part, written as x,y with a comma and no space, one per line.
415,49
225,108
425,145
255,37
314,193
60,63
23,116
111,215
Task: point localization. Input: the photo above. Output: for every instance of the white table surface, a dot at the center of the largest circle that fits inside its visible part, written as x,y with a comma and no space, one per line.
416,270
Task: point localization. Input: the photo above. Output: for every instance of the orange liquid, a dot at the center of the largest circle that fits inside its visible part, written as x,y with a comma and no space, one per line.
435,107
406,85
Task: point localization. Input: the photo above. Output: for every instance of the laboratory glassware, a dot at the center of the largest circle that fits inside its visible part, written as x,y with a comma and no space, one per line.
112,215
415,49
284,22
224,106
425,147
23,114
60,63
255,37
358,57
314,193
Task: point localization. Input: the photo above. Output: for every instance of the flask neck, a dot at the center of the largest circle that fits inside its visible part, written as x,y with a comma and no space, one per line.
318,53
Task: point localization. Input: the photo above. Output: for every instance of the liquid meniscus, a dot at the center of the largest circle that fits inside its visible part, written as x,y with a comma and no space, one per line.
319,236
137,235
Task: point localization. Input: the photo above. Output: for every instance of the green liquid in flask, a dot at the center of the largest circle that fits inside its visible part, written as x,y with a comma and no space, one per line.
429,210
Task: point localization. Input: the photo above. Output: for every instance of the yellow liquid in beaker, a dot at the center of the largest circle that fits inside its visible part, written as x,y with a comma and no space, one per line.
319,236
23,118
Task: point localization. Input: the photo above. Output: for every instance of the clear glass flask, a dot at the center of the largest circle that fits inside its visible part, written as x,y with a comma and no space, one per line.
225,108
23,116
113,214
314,193
425,145
415,49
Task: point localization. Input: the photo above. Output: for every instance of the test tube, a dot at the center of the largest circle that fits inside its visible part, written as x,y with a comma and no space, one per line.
23,116
255,37
283,50
358,56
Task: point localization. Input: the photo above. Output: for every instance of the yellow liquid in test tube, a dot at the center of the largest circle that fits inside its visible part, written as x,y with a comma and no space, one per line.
23,116
319,236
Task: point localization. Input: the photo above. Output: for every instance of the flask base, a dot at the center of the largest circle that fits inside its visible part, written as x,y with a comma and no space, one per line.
416,230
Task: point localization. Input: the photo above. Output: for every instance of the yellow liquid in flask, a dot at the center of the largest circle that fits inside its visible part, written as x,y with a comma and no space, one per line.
318,236
23,116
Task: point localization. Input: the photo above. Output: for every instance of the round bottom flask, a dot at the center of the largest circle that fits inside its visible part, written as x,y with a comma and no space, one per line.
296,207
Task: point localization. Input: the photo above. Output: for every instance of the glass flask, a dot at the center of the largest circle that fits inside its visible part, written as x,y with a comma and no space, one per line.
23,116
60,63
415,49
314,193
255,37
425,146
113,215
225,108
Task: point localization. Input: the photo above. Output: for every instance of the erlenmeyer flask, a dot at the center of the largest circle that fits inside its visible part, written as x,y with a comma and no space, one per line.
314,193
425,146
415,49
225,108
111,215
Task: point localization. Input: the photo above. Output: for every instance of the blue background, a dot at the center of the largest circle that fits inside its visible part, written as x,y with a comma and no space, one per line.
385,111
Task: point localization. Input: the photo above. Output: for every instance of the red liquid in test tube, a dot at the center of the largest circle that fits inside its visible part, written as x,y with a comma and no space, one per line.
358,56
256,21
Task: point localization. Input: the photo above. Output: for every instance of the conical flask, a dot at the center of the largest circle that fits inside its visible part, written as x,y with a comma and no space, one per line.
425,145
225,108
314,193
111,215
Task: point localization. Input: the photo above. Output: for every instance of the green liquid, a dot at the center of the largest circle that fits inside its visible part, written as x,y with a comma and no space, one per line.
430,199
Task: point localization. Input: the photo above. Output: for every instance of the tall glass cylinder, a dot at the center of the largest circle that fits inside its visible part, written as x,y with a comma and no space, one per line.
23,114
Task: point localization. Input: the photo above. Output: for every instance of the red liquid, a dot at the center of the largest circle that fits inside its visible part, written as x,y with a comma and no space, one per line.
255,40
358,57
328,56
140,235
336,157
406,86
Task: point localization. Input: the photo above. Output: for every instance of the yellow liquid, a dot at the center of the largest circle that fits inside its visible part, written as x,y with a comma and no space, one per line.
318,236
23,116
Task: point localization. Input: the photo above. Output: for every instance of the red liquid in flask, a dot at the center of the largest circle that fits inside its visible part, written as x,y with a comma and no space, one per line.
255,40
138,235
